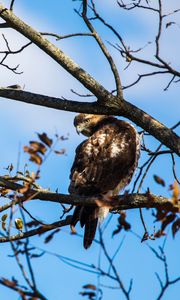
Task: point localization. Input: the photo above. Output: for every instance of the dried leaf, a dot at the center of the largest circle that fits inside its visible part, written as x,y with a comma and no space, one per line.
36,158
4,217
176,193
123,224
45,139
159,233
90,286
38,147
116,231
175,227
19,223
167,220
169,24
50,236
159,180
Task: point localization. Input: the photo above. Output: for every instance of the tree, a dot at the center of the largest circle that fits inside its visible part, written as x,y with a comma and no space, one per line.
130,68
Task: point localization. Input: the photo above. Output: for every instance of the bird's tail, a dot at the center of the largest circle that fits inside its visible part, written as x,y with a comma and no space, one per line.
88,217
90,227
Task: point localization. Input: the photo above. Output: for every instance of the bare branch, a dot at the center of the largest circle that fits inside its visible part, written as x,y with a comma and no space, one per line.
112,265
164,286
10,52
60,37
140,76
37,231
103,48
12,4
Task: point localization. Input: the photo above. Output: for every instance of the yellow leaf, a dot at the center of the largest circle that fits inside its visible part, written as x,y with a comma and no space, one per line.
18,223
176,193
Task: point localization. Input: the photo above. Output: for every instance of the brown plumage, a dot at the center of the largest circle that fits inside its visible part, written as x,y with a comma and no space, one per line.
103,165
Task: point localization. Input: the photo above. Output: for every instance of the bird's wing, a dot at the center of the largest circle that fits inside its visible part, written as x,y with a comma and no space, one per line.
103,160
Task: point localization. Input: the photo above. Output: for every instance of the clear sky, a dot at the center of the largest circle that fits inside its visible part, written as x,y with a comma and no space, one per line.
19,123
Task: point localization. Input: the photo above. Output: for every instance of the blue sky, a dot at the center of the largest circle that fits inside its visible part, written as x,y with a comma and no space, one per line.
19,123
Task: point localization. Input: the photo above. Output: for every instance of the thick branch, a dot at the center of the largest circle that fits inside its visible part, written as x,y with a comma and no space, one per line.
111,107
127,201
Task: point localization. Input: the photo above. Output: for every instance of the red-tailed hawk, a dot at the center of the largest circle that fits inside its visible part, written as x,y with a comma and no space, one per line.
103,165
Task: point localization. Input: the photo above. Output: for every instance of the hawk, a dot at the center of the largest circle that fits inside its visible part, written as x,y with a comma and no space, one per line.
104,164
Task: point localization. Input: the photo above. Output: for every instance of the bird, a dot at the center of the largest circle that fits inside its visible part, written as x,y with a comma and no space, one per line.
103,166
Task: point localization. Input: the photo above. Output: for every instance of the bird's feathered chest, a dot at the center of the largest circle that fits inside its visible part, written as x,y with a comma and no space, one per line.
105,159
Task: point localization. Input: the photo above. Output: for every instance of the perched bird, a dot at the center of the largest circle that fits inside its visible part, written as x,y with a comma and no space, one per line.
104,164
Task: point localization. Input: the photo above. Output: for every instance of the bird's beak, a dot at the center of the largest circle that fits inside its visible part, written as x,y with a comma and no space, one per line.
78,129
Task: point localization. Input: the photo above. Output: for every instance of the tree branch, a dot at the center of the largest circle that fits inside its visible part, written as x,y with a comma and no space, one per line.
59,56
39,230
103,48
111,107
127,201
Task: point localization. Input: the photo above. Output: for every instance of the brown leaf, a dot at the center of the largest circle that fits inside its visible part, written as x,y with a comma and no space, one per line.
167,220
38,147
159,180
45,139
90,286
159,233
4,217
36,158
175,227
50,236
123,224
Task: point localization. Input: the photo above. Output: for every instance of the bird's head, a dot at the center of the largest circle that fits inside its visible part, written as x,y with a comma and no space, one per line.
87,123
